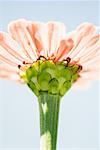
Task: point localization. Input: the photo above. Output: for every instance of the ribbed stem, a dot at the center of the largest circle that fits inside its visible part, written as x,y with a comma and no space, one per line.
49,114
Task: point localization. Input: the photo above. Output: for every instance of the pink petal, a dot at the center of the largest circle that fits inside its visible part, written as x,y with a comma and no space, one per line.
19,31
86,78
92,46
36,45
39,36
81,36
81,84
91,74
12,78
46,37
7,61
64,48
9,68
93,58
9,46
92,64
56,32
11,73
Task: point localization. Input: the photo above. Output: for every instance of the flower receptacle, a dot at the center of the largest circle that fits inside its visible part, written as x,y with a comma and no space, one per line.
51,77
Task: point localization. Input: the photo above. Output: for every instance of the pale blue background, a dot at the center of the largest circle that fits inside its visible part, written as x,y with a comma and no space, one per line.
79,115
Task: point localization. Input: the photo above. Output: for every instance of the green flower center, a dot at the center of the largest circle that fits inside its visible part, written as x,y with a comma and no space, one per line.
51,77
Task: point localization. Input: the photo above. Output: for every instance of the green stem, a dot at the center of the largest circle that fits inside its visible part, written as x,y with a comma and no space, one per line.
49,114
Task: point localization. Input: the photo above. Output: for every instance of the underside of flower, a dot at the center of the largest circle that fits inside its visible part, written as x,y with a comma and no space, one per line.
51,76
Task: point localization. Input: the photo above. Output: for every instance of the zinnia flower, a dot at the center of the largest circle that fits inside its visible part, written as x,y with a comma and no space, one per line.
49,61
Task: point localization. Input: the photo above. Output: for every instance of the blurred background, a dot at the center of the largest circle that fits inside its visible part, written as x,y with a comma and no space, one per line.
19,115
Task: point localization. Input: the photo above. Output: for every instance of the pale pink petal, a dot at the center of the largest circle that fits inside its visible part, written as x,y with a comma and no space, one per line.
8,61
10,49
81,36
6,42
91,74
39,36
86,78
11,73
32,36
92,64
33,29
91,54
64,48
46,37
56,33
94,58
20,33
93,46
15,77
9,68
81,84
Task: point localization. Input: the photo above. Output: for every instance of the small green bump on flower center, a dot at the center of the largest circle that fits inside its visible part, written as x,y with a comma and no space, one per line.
52,77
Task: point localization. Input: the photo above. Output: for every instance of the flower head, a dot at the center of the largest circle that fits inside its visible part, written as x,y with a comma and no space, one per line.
28,45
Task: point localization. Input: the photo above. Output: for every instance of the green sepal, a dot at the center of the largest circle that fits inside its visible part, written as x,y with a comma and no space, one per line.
74,68
53,86
43,79
66,86
60,65
34,80
31,72
75,77
33,87
66,73
46,64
